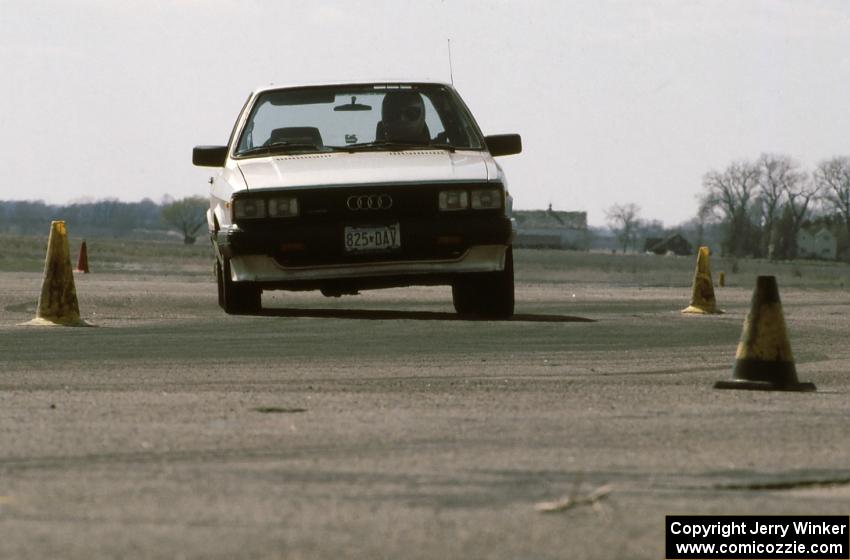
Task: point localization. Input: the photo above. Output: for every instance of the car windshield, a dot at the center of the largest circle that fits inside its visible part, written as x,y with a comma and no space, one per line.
351,118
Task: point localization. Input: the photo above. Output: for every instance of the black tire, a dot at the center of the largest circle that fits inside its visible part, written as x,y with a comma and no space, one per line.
464,296
219,282
489,295
236,298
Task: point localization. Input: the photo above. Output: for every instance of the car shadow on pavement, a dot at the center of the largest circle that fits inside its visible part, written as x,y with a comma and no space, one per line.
386,315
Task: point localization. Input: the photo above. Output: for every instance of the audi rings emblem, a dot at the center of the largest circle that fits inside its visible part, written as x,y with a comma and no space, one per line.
369,202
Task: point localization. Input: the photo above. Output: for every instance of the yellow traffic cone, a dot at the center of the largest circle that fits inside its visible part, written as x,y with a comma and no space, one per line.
764,360
57,304
702,300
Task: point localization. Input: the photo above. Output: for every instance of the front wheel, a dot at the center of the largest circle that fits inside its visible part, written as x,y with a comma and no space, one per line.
489,295
236,298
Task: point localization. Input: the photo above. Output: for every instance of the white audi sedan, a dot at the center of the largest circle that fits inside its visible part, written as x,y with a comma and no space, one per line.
349,187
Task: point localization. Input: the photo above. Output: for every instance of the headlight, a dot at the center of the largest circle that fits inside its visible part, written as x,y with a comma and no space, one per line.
249,208
486,199
283,207
454,200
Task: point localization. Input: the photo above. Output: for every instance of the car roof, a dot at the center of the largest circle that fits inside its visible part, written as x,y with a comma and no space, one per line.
273,86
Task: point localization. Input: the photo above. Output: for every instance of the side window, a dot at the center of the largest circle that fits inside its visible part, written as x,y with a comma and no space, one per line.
262,125
454,128
432,119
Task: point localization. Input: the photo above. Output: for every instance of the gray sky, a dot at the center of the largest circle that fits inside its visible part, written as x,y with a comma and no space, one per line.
617,101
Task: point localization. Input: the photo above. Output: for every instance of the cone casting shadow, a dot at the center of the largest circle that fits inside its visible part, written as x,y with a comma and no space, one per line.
764,361
57,304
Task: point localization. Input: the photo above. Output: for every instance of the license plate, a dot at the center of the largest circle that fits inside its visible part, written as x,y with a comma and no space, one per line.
372,238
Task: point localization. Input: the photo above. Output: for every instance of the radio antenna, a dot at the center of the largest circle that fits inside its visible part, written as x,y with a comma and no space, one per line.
451,74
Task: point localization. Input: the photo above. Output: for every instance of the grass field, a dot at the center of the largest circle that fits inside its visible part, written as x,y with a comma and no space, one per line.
536,266
26,254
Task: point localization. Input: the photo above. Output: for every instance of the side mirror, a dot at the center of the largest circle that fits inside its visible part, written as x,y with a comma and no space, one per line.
503,144
209,156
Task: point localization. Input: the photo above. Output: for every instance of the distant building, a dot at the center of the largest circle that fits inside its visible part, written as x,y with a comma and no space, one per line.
675,244
552,229
816,245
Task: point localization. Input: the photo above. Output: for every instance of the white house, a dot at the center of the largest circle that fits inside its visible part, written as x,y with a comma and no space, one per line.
816,245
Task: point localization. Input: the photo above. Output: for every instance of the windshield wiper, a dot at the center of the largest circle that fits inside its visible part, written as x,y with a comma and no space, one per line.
447,147
383,144
387,145
278,147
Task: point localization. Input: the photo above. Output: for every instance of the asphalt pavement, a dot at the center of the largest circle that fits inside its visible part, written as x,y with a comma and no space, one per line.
382,426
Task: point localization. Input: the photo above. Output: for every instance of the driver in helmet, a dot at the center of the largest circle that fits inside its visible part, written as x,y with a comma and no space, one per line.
403,118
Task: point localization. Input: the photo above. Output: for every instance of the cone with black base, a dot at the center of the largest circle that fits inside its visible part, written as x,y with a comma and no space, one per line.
764,361
702,300
57,304
83,259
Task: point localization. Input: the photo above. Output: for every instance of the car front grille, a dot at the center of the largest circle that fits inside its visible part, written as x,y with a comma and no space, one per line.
367,202
326,212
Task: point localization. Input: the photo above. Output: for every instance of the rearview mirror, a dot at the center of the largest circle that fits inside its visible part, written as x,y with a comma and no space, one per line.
209,156
504,144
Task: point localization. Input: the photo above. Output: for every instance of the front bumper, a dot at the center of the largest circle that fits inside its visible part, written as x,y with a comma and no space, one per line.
267,270
310,254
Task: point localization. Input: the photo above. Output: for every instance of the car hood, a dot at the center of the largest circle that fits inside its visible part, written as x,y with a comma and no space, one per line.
343,168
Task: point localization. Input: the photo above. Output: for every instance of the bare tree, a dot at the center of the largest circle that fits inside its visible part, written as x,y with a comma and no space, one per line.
729,197
780,177
800,199
624,220
832,177
186,215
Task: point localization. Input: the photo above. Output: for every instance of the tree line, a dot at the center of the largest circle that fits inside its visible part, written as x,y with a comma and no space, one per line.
109,217
759,207
763,205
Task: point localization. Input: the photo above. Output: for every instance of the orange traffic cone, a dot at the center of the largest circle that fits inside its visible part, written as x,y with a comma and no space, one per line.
83,259
702,300
764,360
57,304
